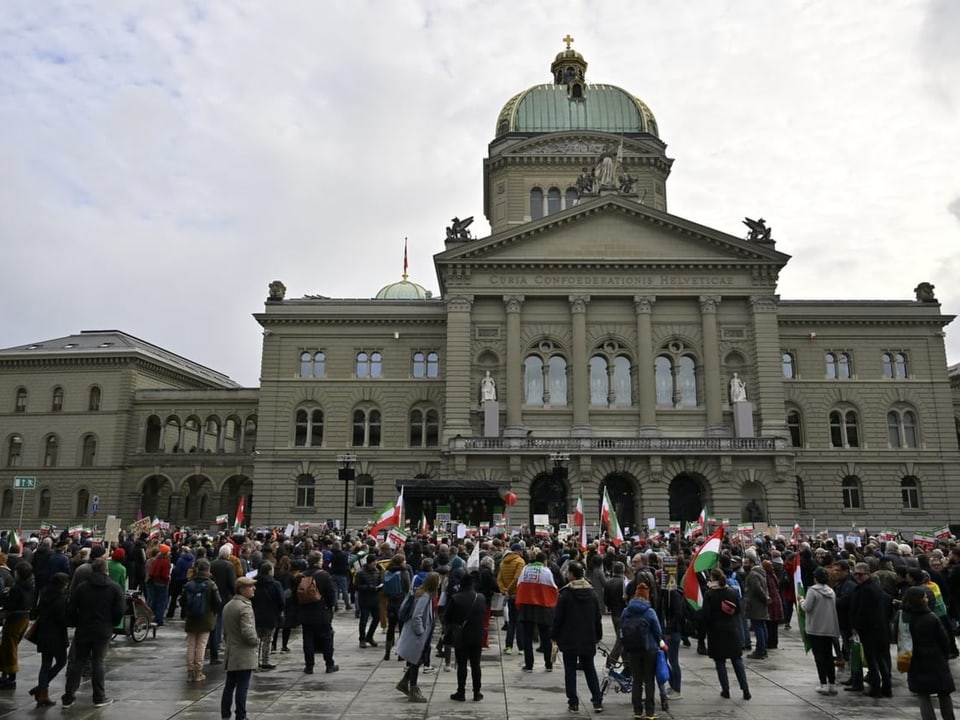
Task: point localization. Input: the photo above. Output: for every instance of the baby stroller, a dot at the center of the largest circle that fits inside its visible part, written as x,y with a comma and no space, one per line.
618,675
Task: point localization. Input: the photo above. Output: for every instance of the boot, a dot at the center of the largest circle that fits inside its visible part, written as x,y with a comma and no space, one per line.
404,685
386,650
415,696
43,698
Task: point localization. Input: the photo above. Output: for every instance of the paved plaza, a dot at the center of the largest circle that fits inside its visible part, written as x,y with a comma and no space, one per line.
148,682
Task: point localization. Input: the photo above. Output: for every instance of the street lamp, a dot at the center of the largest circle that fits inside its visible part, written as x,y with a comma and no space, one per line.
346,473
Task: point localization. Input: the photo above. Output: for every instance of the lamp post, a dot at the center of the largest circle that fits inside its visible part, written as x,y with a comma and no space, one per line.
346,473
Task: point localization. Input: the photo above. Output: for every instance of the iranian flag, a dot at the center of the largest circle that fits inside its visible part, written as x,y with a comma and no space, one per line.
706,558
608,517
578,513
14,545
800,593
240,517
795,537
424,525
389,516
702,520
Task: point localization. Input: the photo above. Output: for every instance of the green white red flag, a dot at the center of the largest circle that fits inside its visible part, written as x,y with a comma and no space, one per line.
424,525
389,516
706,558
578,519
608,518
800,592
240,516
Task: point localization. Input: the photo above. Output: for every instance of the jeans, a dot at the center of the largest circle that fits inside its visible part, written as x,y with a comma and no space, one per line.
759,628
745,631
787,611
570,662
468,655
617,648
526,642
738,670
369,615
266,639
50,666
159,594
673,655
511,605
643,668
342,584
216,635
317,637
96,651
237,685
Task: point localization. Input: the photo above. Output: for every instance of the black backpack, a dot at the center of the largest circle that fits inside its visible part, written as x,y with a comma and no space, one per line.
635,632
195,599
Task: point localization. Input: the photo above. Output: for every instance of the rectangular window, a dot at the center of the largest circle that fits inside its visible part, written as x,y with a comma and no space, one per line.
305,496
364,496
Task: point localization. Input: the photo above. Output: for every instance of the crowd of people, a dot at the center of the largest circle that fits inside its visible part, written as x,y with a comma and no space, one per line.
241,597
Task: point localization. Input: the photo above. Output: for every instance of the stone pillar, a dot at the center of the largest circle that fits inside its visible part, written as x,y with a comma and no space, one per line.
580,377
514,426
767,391
176,507
459,389
646,382
711,364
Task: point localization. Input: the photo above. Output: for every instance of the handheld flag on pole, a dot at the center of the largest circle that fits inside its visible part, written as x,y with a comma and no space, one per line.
580,520
608,517
706,558
239,518
424,525
389,516
794,565
14,546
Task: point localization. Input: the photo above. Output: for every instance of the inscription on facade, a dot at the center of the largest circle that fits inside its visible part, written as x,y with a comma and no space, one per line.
623,281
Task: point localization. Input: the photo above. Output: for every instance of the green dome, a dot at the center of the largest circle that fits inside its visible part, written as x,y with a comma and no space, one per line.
548,108
403,290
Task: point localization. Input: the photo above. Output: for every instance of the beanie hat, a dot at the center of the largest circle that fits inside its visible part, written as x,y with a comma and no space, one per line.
118,555
164,549
98,551
515,547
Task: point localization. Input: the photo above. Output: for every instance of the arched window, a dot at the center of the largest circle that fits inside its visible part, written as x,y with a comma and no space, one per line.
312,364
533,380
88,454
622,385
306,487
6,506
831,362
21,405
844,366
610,382
789,366
308,428
366,428
558,380
675,373
902,428
363,493
553,201
910,493
801,494
894,365
376,365
83,502
14,451
93,404
363,365
426,365
795,426
46,498
844,428
424,428
536,204
545,376
57,405
852,493
51,451
599,381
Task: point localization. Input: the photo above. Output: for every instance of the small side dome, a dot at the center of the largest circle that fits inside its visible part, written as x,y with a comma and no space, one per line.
403,290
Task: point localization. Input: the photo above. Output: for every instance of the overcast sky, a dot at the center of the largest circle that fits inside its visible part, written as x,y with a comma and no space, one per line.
161,163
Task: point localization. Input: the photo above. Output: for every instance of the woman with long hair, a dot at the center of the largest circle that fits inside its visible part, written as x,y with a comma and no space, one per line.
415,635
721,617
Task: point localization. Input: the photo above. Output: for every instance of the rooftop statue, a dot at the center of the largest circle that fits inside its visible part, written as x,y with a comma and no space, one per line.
759,232
458,229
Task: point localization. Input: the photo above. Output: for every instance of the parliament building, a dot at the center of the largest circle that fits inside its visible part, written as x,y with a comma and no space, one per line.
591,341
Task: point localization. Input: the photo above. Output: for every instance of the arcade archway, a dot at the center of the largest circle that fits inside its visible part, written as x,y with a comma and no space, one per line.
548,496
687,497
622,491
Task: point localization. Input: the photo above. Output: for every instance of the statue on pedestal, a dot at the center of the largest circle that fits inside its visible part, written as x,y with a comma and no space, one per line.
738,391
488,388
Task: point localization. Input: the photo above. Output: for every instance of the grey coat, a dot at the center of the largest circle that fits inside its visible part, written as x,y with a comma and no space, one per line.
416,633
820,605
239,635
755,595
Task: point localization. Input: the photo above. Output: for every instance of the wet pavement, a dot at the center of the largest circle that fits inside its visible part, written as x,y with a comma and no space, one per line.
148,682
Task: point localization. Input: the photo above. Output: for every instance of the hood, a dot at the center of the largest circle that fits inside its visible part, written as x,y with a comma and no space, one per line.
824,591
579,588
637,606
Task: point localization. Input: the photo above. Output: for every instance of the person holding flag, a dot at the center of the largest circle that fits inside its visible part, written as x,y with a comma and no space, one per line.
721,611
608,518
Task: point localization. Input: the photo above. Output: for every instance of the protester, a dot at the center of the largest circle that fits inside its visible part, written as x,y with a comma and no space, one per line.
929,672
577,627
178,577
756,600
396,585
870,610
465,615
641,635
535,601
316,616
721,608
287,577
415,635
17,603
240,648
369,584
116,568
198,626
224,574
51,636
822,627
267,610
94,609
511,565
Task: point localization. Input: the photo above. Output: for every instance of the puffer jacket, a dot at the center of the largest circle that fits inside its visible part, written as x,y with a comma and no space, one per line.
511,565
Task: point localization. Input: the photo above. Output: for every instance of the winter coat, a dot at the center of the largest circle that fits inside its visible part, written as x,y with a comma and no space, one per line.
535,599
240,639
775,602
843,589
416,632
224,575
318,613
820,606
469,609
267,602
723,630
95,608
183,564
51,634
870,612
577,619
613,595
755,596
214,603
929,672
639,606
368,580
511,565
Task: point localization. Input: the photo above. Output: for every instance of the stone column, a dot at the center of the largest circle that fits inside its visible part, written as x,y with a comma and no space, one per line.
580,377
711,364
766,392
459,389
514,426
646,382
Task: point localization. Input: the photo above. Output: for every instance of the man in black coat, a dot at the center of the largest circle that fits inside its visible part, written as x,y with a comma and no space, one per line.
95,608
870,616
577,628
316,618
465,616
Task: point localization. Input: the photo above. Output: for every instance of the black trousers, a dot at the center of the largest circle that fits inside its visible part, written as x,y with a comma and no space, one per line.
468,653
